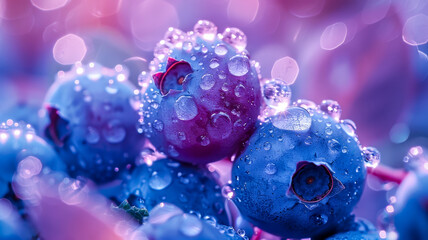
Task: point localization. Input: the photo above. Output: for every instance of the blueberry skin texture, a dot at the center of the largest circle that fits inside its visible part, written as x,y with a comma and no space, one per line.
265,200
411,219
354,230
16,147
186,186
95,125
226,112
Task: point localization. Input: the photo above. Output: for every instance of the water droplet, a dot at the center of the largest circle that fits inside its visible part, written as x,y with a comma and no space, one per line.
328,131
160,179
319,219
334,145
222,125
267,146
415,30
238,65
294,119
214,63
175,37
239,90
190,226
207,82
187,46
185,108
220,50
172,151
371,156
276,94
92,135
204,140
114,132
349,127
205,29
158,125
332,108
235,37
270,168
183,198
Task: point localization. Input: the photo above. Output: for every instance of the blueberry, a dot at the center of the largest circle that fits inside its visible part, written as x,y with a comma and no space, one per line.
91,118
300,174
202,98
411,209
18,141
360,229
168,222
186,186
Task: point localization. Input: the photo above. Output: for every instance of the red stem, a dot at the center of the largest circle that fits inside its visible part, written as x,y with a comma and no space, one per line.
257,234
388,174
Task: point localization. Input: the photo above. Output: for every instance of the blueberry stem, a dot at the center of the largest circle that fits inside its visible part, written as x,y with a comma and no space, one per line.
257,234
388,174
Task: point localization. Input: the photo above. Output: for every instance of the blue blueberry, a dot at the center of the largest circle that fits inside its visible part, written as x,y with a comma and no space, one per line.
91,118
411,209
300,174
202,97
186,186
168,222
357,230
18,141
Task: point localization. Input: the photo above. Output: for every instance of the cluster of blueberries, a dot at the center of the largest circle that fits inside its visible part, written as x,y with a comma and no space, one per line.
204,114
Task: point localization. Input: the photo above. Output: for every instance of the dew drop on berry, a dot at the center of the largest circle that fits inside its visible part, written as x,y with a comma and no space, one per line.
185,108
239,90
207,82
214,63
111,89
92,135
187,46
371,156
158,125
334,145
205,29
160,179
190,226
220,49
349,127
175,37
238,65
172,151
276,94
114,132
319,219
204,140
221,125
267,146
294,119
235,37
332,108
270,168
29,167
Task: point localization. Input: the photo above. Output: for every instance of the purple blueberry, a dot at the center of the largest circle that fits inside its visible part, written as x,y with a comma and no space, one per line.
91,118
202,98
300,174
